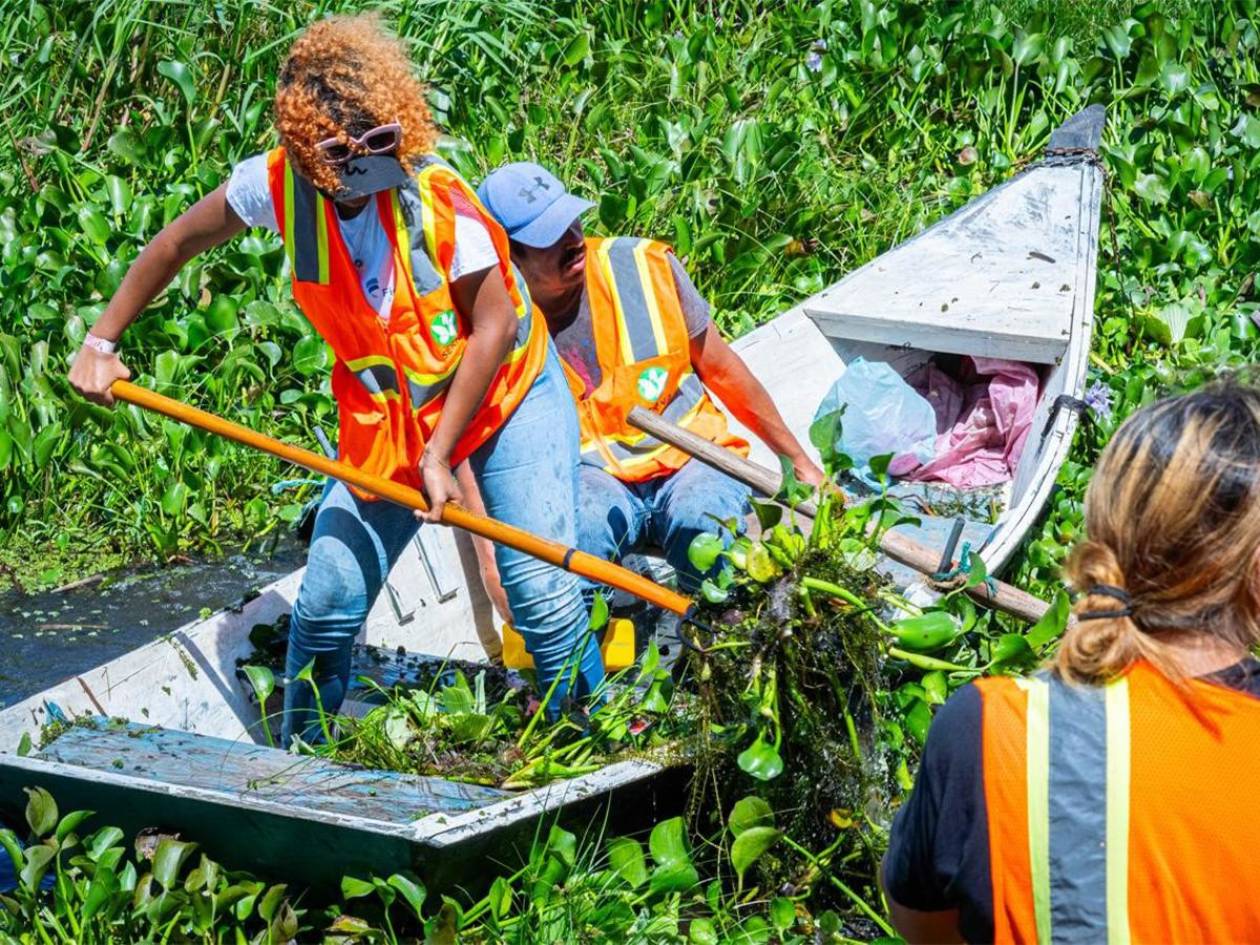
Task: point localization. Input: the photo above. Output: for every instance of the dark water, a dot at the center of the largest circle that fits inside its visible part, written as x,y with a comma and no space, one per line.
47,637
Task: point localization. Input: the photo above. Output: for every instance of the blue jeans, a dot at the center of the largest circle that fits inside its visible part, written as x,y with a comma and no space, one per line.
527,473
616,518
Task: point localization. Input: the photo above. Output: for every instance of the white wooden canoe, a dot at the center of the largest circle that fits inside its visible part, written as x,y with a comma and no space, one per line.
1010,275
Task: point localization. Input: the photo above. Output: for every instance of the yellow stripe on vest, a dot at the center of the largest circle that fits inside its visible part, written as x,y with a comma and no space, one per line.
649,295
1118,770
1038,774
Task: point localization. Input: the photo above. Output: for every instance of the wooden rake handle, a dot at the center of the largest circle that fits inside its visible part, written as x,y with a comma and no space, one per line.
921,558
562,556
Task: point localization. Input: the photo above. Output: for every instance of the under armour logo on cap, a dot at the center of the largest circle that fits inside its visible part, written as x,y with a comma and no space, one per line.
528,192
531,203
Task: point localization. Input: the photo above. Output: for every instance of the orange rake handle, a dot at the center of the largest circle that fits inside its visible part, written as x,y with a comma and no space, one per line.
562,556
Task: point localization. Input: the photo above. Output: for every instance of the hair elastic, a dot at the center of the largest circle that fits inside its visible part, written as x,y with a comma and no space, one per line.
1116,593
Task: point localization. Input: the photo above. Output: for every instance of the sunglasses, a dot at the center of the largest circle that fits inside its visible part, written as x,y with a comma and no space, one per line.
379,140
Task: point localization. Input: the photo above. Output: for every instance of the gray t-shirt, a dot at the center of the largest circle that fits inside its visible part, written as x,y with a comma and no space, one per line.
576,341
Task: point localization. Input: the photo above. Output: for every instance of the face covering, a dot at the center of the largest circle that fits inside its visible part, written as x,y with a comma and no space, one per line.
364,176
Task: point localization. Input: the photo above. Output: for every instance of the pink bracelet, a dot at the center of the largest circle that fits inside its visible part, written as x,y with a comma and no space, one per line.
98,344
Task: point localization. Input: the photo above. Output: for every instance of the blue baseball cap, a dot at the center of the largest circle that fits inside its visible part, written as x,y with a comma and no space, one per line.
530,203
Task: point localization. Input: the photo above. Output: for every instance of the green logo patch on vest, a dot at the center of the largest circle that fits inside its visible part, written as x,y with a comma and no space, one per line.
443,327
651,383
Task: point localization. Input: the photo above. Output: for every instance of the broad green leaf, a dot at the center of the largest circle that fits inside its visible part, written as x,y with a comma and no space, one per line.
748,812
221,315
1118,40
761,760
270,903
674,871
1008,650
703,932
127,145
37,860
918,720
41,811
169,859
9,843
768,514
411,890
626,859
748,847
1052,623
712,593
703,551
262,680
760,566
782,914
1248,129
1174,77
1152,188
119,194
577,49
70,823
101,890
310,355
599,612
181,75
94,225
24,743
352,888
935,687
1027,47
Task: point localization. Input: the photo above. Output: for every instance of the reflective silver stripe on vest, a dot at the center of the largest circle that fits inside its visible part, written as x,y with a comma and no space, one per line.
379,379
421,394
1078,771
634,306
1078,813
525,323
424,275
305,240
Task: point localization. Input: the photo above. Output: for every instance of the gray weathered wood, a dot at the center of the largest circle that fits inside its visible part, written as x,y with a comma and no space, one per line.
254,771
1001,596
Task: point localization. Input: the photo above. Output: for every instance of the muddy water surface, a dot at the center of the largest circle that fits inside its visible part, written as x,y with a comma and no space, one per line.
47,637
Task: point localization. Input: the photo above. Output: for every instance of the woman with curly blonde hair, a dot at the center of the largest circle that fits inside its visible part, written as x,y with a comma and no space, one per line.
1110,797
439,357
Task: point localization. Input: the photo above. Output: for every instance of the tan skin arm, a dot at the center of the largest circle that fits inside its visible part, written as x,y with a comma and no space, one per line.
922,928
207,223
724,372
483,546
482,299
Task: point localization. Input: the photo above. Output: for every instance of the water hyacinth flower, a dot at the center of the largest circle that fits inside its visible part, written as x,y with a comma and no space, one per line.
1098,399
813,62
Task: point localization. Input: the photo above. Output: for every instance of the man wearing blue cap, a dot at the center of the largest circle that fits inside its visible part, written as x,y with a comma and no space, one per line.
632,330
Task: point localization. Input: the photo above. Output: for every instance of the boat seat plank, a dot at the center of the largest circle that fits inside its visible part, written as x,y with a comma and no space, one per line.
258,772
998,278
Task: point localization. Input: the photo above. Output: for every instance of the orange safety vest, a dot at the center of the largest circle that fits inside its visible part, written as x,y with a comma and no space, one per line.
390,378
1121,813
644,357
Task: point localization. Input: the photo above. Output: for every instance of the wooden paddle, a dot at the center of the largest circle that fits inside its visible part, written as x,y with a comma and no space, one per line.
570,559
1008,599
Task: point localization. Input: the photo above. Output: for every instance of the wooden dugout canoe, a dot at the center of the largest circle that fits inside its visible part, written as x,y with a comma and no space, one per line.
1010,275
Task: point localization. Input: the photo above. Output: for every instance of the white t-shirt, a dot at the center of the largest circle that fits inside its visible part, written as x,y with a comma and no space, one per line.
249,195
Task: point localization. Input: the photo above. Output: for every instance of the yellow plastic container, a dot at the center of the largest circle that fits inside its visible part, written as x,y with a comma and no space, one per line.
617,647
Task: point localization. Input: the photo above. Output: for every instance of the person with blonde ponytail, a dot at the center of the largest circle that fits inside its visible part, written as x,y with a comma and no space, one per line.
1110,797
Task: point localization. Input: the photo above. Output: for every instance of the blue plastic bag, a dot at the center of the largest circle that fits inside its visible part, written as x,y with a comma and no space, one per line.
882,414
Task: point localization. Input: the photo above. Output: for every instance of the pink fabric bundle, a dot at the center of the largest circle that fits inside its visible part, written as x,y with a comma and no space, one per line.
982,421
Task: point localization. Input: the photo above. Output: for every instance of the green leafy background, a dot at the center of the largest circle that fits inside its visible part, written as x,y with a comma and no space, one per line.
776,146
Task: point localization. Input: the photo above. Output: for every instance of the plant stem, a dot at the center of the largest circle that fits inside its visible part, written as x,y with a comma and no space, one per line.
858,901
